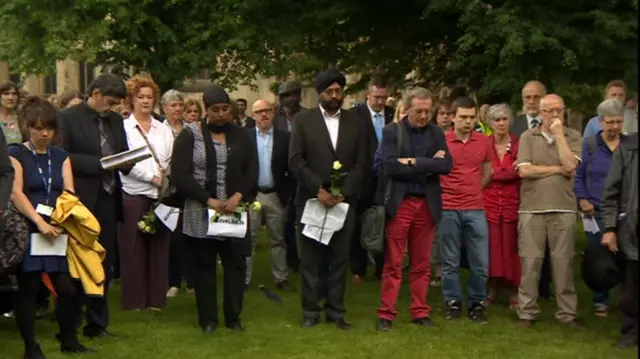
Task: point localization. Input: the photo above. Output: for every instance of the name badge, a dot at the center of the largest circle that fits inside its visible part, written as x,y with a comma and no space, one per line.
44,210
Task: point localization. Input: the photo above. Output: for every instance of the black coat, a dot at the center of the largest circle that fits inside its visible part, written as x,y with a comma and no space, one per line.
81,140
311,154
279,164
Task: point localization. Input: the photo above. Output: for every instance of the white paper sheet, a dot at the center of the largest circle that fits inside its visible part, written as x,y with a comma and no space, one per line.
132,156
589,224
317,234
168,216
41,246
315,212
227,225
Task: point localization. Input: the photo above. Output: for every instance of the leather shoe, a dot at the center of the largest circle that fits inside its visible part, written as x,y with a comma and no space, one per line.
103,334
423,322
236,326
285,286
209,329
340,323
383,325
524,323
76,348
574,324
310,322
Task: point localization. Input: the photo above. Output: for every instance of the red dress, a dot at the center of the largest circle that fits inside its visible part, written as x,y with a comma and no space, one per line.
501,198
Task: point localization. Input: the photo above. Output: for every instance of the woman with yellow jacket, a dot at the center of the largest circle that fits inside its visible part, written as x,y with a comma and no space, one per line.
42,173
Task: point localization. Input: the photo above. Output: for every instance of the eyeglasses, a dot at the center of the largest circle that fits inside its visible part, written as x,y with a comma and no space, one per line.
553,110
264,111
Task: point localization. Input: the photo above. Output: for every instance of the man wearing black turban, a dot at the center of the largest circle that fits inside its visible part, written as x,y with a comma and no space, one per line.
324,141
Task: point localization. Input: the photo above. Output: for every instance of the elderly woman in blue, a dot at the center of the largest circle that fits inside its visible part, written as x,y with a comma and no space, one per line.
42,173
597,151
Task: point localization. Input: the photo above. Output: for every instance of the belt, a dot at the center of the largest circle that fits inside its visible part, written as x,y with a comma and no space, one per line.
266,190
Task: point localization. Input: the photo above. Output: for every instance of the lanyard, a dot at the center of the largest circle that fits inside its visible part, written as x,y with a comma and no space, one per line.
45,182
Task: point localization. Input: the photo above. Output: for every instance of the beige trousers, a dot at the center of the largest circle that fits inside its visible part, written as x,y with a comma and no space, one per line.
536,231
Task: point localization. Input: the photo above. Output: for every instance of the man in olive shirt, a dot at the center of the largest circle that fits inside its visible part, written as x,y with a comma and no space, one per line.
547,159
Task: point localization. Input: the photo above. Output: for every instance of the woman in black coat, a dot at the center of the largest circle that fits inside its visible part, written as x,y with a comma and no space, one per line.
214,165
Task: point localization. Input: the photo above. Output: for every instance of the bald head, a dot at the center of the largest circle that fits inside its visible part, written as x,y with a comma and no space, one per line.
532,92
263,114
552,107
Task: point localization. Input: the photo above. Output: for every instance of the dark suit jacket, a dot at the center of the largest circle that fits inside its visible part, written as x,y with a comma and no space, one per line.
280,121
249,123
311,154
82,141
427,168
279,163
364,114
519,125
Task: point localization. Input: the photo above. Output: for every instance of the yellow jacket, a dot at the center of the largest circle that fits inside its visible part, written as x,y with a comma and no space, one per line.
84,253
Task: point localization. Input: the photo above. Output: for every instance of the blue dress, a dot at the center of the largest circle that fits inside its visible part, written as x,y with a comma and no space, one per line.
34,189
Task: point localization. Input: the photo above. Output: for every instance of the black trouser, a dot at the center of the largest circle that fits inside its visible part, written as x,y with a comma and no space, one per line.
628,300
180,260
544,286
67,307
42,300
97,309
324,270
358,254
293,262
234,267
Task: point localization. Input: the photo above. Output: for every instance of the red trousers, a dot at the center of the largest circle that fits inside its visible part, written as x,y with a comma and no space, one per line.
412,224
504,260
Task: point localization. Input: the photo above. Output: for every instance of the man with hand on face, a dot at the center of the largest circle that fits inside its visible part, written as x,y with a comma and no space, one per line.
273,191
320,137
547,159
375,115
92,131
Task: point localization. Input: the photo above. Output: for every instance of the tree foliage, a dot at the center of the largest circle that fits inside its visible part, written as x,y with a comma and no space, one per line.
574,47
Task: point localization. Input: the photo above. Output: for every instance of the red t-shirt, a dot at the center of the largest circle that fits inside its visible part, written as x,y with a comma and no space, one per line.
462,187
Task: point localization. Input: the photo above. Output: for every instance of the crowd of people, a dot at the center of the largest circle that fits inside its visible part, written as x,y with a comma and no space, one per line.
460,185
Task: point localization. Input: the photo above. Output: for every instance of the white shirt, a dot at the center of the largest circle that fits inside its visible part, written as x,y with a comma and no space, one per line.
530,119
333,124
138,181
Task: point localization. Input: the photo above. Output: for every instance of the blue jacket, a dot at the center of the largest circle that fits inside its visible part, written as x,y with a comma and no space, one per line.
592,172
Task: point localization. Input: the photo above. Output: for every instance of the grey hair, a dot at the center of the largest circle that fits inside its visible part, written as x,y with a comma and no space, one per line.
171,95
610,107
418,92
499,111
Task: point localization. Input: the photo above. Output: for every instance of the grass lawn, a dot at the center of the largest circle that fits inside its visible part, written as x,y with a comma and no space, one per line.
273,331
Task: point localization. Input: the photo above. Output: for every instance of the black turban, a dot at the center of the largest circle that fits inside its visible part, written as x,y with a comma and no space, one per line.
289,87
328,77
215,95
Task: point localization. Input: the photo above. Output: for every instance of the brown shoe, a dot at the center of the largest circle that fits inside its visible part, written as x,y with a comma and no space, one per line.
357,279
574,324
525,323
285,286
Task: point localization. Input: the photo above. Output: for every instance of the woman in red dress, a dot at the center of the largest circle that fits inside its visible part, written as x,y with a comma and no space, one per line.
501,197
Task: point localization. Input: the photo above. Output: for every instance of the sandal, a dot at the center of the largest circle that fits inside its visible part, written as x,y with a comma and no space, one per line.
601,310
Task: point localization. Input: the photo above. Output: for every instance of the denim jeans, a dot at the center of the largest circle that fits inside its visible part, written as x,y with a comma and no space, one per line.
471,227
595,239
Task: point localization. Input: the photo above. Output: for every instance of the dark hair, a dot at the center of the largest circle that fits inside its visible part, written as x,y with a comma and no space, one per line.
462,102
38,111
242,100
108,85
378,82
67,96
6,86
437,103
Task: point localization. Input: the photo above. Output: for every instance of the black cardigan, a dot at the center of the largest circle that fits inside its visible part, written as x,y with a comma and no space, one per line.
242,166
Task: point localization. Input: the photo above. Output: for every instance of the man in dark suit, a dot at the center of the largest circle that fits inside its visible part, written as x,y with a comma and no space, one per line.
289,96
91,131
375,115
321,136
273,191
532,92
244,121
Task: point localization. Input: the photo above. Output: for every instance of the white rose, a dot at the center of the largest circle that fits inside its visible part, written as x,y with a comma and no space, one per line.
337,165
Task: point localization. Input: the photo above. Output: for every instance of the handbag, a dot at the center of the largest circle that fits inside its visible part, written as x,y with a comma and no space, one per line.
165,188
373,219
14,238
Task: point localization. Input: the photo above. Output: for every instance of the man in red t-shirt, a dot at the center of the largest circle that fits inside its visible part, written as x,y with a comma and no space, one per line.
463,216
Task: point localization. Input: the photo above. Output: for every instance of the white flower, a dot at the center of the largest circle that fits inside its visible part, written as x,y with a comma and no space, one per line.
141,225
256,206
337,165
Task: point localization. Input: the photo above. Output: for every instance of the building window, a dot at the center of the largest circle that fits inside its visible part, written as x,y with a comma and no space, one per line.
50,84
87,74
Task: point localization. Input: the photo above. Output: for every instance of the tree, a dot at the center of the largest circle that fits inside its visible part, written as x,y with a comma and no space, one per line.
574,47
